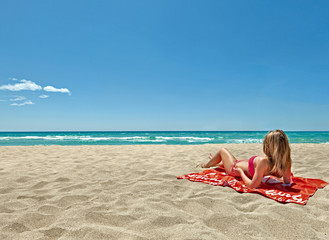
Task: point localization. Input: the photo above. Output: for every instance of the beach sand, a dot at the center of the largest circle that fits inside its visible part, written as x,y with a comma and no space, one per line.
131,192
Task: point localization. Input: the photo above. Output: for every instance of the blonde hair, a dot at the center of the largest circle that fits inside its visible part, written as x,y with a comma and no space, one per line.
277,149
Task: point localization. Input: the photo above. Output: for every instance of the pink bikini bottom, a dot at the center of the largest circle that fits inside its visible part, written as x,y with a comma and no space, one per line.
251,168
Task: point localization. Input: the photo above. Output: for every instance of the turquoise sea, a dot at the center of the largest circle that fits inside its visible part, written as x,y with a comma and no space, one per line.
154,137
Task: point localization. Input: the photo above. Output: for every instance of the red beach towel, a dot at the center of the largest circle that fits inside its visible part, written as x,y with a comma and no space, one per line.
298,192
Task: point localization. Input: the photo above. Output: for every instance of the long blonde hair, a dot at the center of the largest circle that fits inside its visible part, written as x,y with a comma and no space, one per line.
277,149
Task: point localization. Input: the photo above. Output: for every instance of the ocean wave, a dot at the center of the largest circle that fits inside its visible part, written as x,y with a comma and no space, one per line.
194,139
247,140
83,138
40,138
152,139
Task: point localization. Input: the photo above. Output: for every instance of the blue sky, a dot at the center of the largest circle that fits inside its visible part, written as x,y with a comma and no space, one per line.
164,65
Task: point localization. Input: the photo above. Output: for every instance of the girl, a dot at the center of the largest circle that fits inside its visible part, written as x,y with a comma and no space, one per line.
276,162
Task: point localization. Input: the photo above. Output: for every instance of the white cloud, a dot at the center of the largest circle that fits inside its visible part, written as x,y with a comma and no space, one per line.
23,85
18,98
53,89
22,104
28,85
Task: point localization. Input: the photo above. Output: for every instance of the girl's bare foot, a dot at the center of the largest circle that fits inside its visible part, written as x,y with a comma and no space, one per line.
203,165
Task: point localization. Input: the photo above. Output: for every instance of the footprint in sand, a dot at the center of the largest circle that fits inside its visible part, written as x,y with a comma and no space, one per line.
40,185
55,232
36,197
16,227
167,221
5,190
4,209
23,179
73,187
67,201
109,219
62,179
37,220
49,209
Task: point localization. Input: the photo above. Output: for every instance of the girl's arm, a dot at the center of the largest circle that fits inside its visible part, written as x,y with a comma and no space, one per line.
287,176
258,176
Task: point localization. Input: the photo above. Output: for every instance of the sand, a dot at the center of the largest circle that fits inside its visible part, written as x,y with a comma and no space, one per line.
131,192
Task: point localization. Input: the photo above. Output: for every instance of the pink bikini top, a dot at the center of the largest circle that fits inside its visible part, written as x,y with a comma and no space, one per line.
251,167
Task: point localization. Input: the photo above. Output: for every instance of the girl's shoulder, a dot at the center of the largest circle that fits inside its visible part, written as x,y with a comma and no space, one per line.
262,160
264,163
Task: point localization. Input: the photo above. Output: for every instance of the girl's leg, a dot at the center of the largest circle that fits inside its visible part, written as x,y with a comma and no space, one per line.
224,156
219,164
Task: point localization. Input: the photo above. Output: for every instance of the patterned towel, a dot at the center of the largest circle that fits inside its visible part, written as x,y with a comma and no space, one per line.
298,192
